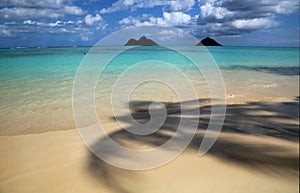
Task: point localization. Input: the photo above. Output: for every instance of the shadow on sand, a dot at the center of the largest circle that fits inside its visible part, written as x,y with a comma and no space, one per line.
279,120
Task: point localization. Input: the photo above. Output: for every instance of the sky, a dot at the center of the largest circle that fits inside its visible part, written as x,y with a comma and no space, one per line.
30,23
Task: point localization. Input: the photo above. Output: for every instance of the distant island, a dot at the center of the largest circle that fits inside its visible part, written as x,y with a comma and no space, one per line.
143,41
208,42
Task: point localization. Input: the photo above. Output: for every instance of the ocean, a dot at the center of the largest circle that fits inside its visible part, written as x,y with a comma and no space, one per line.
36,83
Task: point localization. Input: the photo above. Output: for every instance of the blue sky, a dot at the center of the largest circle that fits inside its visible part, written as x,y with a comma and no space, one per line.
27,23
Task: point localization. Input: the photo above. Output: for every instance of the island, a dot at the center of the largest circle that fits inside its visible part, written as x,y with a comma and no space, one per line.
208,42
143,41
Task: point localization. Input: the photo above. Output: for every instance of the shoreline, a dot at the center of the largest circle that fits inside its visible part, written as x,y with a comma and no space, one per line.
39,114
58,161
231,100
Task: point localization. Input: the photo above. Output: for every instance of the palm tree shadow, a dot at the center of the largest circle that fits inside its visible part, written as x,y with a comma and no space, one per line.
278,120
109,175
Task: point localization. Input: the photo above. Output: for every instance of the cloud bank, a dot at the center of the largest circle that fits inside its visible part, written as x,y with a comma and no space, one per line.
170,5
214,17
235,17
217,18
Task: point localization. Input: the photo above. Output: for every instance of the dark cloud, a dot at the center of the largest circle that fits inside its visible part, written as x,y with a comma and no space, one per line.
236,17
36,3
28,9
262,7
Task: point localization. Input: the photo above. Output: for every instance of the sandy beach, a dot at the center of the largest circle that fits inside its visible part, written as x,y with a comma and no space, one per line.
258,151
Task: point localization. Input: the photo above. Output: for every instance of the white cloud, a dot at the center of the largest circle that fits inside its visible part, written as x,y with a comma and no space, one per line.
29,22
24,13
168,5
4,32
117,6
208,10
90,20
257,23
129,21
135,21
171,34
175,19
183,5
57,23
85,36
73,10
287,7
51,24
168,19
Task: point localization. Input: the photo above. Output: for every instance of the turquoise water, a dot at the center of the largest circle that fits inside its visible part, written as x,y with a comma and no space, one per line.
36,83
26,63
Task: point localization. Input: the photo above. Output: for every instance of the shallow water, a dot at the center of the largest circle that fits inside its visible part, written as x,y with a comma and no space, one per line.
36,83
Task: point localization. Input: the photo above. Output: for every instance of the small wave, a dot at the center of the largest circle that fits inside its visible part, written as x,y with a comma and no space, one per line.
281,70
265,85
